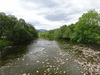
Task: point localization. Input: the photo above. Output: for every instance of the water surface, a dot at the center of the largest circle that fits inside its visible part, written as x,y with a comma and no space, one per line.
41,57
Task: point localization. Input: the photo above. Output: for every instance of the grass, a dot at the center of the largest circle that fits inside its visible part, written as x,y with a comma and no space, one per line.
4,43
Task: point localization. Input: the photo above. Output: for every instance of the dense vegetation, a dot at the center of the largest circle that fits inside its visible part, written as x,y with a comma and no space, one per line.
14,31
86,30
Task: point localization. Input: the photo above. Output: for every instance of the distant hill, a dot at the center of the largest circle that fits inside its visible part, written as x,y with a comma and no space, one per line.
41,30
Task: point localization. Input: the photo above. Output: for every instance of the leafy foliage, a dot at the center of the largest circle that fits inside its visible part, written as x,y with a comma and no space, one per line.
86,30
4,43
14,30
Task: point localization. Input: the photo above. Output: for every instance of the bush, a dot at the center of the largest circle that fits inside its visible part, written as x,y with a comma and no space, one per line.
4,43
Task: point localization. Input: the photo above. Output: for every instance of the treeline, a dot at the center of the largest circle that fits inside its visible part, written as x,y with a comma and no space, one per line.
86,30
14,30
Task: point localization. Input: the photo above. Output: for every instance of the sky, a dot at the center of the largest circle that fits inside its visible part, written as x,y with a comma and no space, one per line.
48,14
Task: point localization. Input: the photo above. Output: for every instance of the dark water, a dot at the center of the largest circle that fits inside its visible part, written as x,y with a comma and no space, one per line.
41,57
9,54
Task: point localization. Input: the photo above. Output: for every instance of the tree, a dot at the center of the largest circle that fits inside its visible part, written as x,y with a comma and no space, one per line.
31,30
22,22
86,27
3,25
14,30
11,27
57,33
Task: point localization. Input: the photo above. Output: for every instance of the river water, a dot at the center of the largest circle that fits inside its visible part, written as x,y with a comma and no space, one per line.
41,57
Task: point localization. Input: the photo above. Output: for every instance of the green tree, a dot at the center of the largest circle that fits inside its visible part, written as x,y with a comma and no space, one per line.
12,21
3,23
57,33
86,27
14,30
62,31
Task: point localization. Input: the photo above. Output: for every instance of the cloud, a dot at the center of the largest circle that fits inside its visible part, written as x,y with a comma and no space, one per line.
48,14
62,15
9,5
57,17
35,23
43,3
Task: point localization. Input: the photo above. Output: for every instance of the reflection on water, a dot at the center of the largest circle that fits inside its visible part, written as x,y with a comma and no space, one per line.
8,54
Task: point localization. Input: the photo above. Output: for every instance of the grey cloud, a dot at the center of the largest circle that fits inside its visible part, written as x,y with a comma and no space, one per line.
56,17
43,3
60,15
36,23
57,12
61,10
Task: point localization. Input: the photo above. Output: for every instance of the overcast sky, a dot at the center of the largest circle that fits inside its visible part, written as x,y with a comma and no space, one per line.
48,14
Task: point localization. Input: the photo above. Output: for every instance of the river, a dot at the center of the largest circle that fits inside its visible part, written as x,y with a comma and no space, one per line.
41,57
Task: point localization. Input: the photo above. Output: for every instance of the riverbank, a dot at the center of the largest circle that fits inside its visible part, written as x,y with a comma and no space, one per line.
8,44
87,57
89,60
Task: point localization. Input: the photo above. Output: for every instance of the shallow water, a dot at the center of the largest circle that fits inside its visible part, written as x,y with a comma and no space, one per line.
41,57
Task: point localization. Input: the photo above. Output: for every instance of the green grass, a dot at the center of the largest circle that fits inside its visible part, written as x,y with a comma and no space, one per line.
4,43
